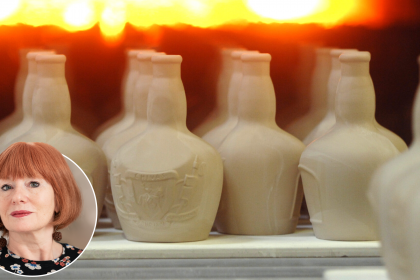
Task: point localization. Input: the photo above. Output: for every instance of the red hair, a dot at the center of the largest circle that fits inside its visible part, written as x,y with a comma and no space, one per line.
36,159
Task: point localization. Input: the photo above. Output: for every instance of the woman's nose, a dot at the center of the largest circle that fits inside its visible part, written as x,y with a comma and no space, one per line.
19,194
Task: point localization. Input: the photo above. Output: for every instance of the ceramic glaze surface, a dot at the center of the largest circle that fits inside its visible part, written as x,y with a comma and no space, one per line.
51,123
166,182
216,136
318,94
220,113
329,120
123,121
140,93
336,169
395,194
28,90
260,187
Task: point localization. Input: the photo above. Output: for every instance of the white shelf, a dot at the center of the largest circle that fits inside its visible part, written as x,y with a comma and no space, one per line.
357,274
109,243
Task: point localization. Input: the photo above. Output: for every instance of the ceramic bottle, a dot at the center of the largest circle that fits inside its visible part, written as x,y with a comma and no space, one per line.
395,194
166,182
17,115
216,136
51,111
220,113
334,77
140,92
126,118
28,90
318,94
260,187
329,120
336,168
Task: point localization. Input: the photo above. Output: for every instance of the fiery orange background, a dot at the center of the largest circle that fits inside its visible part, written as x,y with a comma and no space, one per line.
112,15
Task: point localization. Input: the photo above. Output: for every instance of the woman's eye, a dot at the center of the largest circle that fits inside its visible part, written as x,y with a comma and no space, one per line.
34,184
6,187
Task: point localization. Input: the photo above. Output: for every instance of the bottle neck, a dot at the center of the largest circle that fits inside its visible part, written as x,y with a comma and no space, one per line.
141,89
234,87
167,105
257,102
333,80
30,86
224,79
355,99
319,82
51,98
133,72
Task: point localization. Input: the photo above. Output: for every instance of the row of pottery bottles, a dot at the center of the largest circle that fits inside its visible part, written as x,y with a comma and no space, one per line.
46,118
395,194
260,186
336,168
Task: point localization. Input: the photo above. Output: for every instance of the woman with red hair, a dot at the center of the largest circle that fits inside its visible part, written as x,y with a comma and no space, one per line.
38,197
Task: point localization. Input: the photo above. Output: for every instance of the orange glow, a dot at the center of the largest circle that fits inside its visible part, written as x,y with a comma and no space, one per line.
112,15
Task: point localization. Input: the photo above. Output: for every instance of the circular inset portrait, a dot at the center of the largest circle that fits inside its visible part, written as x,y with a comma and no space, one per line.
48,210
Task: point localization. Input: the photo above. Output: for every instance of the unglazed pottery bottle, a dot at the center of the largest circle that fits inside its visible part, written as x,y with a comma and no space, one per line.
220,113
329,120
51,123
216,136
318,94
140,93
17,115
118,124
336,169
28,90
166,182
395,194
260,187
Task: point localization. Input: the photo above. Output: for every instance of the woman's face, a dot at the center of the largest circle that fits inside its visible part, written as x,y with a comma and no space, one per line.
26,205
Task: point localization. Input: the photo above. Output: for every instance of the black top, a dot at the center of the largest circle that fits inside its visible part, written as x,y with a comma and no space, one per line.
15,264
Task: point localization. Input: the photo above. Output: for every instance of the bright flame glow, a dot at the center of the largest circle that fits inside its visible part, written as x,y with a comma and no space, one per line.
112,15
79,14
8,7
284,9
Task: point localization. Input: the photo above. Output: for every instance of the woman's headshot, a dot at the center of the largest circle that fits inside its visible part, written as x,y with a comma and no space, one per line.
38,197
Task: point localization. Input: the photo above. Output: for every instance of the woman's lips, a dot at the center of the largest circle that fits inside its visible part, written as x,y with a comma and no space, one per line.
20,214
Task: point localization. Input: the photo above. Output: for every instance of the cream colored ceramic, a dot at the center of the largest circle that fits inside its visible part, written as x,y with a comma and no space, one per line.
395,194
220,112
216,136
140,92
126,117
334,77
260,186
28,90
51,123
336,168
166,182
329,120
318,94
17,115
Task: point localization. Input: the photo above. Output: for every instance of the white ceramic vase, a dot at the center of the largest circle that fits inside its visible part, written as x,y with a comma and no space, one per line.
329,120
318,94
126,117
395,194
140,93
260,187
216,136
336,169
51,111
220,112
29,88
166,182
